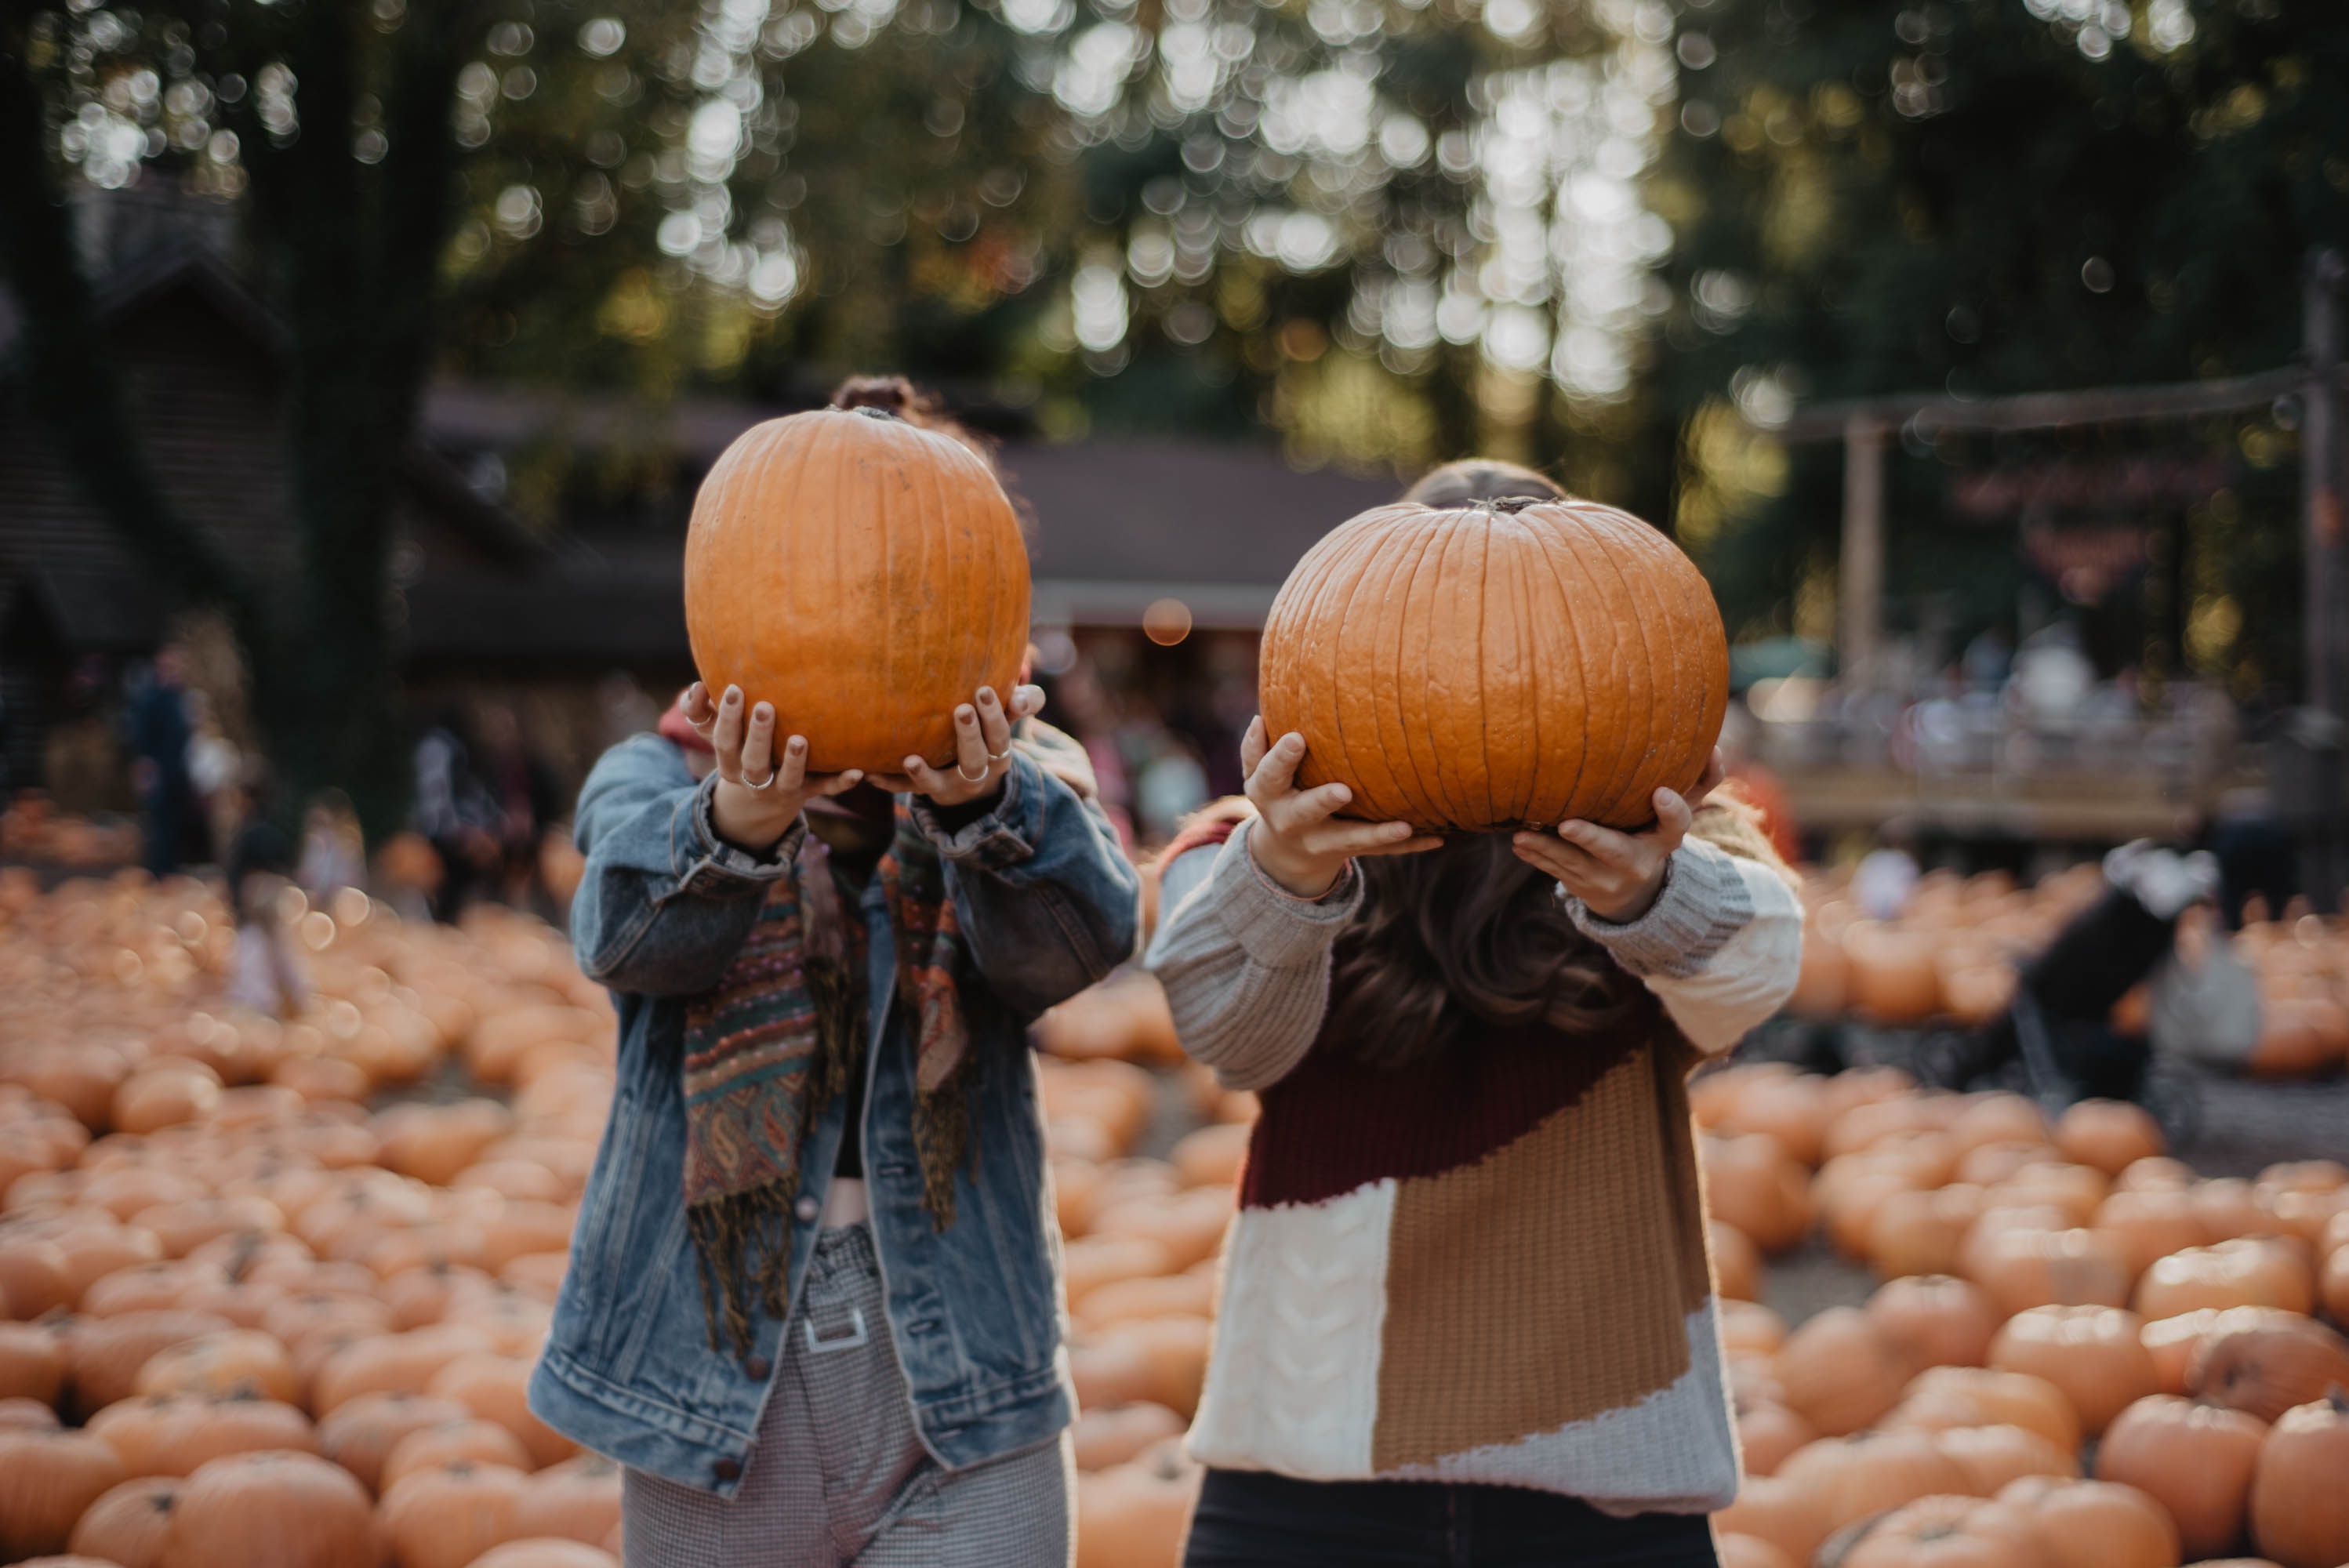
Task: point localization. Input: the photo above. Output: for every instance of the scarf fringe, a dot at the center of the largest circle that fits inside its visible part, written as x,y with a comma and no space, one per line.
744,1242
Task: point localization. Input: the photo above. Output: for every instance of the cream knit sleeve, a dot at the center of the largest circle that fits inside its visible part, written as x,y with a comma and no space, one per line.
1247,965
1720,947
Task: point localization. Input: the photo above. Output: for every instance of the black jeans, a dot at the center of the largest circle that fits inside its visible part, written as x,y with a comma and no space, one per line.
1247,1520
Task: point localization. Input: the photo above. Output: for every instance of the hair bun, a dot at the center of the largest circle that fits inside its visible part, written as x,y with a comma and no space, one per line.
884,394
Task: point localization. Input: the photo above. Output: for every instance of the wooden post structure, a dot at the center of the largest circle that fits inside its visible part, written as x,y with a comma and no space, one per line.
2325,624
1860,583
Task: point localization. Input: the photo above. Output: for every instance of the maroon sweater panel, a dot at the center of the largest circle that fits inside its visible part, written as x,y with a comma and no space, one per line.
1336,1123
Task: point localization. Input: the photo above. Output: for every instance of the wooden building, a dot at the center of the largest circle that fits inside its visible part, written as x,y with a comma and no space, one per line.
574,620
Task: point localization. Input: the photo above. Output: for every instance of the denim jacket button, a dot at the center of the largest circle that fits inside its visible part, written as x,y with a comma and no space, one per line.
757,1368
727,1469
807,1208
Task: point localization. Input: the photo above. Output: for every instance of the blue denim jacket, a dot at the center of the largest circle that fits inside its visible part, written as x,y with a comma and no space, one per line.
1048,905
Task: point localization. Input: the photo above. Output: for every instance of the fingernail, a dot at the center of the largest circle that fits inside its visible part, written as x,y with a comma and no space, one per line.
797,743
987,694
763,714
733,696
966,715
851,775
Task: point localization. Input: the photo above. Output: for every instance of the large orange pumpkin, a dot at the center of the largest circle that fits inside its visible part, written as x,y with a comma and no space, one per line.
291,1511
1946,1531
2265,1368
2094,1523
131,1524
1498,666
2300,1509
2093,1354
447,1517
47,1479
2194,1460
861,574
1934,1320
1841,1372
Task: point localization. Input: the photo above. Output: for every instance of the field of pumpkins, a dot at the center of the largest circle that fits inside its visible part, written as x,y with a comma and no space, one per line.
1949,957
2078,1354
282,1282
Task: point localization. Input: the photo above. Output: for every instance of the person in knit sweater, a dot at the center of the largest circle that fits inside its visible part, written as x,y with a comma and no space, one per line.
1468,1313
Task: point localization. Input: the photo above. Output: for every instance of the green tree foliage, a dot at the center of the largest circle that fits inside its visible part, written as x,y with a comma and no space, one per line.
1988,196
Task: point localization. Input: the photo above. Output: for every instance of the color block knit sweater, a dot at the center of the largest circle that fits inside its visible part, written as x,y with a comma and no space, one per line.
1489,1267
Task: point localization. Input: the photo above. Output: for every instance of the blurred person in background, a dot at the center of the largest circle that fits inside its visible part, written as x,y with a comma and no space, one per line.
455,813
334,848
1887,876
158,737
214,767
2155,924
823,986
1170,786
1470,1052
265,974
522,789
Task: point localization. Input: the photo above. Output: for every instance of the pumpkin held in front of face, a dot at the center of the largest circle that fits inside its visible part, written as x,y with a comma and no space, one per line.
1492,666
863,575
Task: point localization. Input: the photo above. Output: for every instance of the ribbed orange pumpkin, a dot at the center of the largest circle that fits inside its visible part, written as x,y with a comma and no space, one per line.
863,575
1495,665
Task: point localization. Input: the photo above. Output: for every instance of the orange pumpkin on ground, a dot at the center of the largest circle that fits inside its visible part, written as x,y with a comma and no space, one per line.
1934,1320
130,1525
2245,1272
176,1434
811,526
2093,1523
2026,1267
1945,1397
2265,1369
1134,1515
471,1441
1993,1456
2093,1354
497,1389
2194,1460
578,1498
1114,1435
1852,1478
2109,1134
1841,1371
2149,1225
1774,1510
105,1355
32,1363
1752,1183
2300,1507
309,1514
1923,1231
1736,1260
1486,714
2175,1340
1947,1531
47,1477
240,1361
448,1516
1768,1434
361,1433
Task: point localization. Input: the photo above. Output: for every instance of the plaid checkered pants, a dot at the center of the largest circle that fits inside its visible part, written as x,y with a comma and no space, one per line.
838,1476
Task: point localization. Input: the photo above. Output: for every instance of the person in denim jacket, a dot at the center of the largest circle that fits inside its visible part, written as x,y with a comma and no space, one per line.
889,1388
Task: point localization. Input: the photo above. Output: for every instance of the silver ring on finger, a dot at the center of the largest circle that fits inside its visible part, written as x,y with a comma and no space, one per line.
1002,756
980,778
766,783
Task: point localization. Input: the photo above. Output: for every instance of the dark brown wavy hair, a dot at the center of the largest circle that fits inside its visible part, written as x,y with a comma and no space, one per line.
911,404
1468,937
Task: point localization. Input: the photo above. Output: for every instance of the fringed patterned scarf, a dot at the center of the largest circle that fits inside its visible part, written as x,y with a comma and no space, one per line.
767,1050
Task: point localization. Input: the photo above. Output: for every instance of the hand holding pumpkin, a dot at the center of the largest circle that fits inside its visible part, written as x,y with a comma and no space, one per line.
1294,840
1617,874
982,732
758,794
